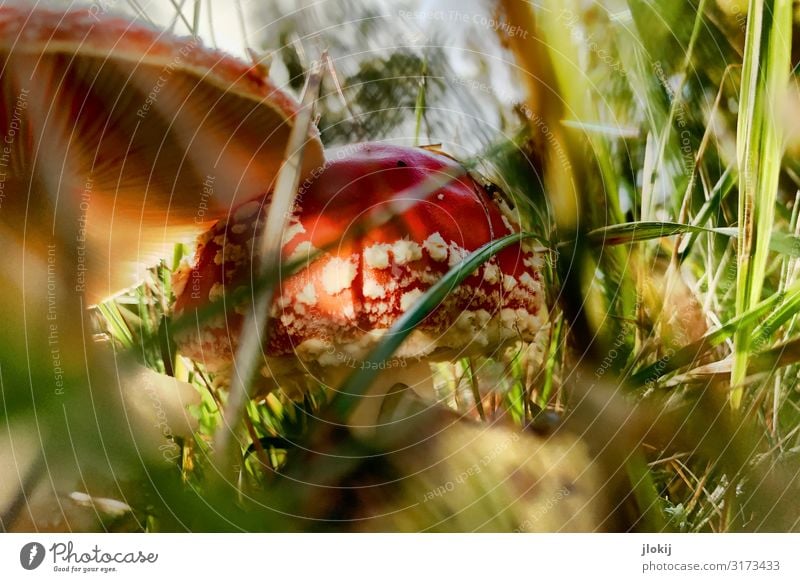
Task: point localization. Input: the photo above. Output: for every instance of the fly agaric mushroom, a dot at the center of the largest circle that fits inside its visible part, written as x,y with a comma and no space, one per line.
357,283
130,136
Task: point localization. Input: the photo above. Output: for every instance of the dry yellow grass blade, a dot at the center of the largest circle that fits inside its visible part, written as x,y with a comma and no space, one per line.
544,110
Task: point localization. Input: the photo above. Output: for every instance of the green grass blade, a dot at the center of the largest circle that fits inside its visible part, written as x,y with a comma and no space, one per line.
786,311
765,73
651,505
634,232
117,325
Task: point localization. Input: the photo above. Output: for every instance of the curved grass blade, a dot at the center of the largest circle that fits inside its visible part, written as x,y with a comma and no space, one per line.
634,232
359,382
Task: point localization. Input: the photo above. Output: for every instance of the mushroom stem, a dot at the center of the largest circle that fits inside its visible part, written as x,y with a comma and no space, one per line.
410,378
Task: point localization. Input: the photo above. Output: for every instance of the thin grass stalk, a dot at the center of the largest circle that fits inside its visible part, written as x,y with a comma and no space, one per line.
254,327
180,15
550,365
419,107
676,101
196,18
473,384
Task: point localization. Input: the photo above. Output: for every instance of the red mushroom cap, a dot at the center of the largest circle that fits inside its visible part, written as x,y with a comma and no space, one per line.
334,310
149,136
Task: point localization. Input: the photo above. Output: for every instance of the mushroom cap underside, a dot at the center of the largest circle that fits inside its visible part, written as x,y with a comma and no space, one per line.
130,137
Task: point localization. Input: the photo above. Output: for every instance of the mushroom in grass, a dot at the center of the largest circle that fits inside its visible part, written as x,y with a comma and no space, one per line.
358,280
127,138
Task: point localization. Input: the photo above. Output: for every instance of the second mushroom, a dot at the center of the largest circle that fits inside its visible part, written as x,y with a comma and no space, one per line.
358,281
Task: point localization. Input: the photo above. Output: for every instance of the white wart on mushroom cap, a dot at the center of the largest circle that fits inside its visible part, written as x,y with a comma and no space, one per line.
335,309
132,133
